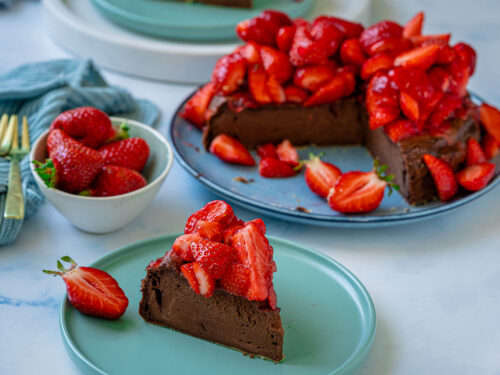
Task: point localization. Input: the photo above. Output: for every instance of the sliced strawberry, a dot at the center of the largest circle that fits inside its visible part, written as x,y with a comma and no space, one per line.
216,211
348,28
400,130
263,28
459,74
210,230
182,246
381,93
284,37
351,52
445,109
312,77
275,20
236,279
490,146
409,106
293,94
420,40
476,177
420,57
467,54
446,55
490,118
377,63
287,153
229,73
305,50
443,176
326,34
275,90
259,223
195,107
383,115
276,64
439,78
214,257
257,83
320,176
92,291
188,272
391,46
231,150
206,284
250,51
475,154
275,168
240,101
379,32
414,26
339,86
267,150
155,263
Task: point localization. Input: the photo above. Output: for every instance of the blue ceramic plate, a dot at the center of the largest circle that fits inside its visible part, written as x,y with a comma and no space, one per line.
327,314
287,198
190,21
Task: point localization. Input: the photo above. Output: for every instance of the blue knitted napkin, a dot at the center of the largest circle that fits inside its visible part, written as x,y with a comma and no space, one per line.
41,91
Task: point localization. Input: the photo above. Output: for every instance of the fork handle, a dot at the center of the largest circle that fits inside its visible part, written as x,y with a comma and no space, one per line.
14,204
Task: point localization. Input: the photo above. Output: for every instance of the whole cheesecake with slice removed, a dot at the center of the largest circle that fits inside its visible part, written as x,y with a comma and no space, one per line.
216,283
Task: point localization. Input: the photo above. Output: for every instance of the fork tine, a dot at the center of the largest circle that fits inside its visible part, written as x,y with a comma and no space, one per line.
9,135
25,140
3,125
15,139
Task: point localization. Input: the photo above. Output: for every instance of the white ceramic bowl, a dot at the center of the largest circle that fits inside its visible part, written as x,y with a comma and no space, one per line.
106,214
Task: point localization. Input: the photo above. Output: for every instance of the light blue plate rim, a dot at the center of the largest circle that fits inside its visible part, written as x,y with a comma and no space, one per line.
318,219
366,302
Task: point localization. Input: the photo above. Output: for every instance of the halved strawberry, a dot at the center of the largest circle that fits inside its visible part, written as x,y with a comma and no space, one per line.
267,150
188,271
475,154
275,168
263,28
312,77
382,115
400,130
199,279
490,118
339,86
250,51
276,64
213,256
357,192
420,57
409,106
439,78
348,28
379,32
414,26
231,150
490,146
284,37
446,55
257,84
420,40
229,73
467,54
275,90
459,71
391,46
320,176
216,211
445,108
443,176
210,230
92,291
259,223
287,153
182,246
351,52
326,34
376,63
293,94
236,279
195,107
305,50
476,177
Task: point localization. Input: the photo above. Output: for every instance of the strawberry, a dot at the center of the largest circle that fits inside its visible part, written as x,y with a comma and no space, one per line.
320,176
236,279
275,90
420,57
358,192
92,291
117,133
216,211
382,115
284,37
287,153
199,279
414,26
214,257
445,109
400,130
87,125
195,108
384,31
263,28
446,55
490,119
188,271
210,230
490,146
182,246
72,166
257,84
155,263
467,54
439,78
421,40
231,150
475,154
341,85
381,93
239,101
349,29
312,77
132,153
229,73
443,176
351,52
476,177
391,46
115,180
267,150
326,34
409,106
276,64
305,50
275,168
376,63
250,51
293,94
459,72
275,20
259,223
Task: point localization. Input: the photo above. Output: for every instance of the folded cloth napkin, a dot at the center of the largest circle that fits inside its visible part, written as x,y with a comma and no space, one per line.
41,91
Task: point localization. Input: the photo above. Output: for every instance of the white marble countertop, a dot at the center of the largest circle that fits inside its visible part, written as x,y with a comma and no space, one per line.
435,284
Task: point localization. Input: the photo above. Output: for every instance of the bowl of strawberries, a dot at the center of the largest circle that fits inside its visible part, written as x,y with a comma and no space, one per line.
100,172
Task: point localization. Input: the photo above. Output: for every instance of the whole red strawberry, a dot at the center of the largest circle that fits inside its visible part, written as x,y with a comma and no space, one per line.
92,291
114,180
88,125
72,166
131,153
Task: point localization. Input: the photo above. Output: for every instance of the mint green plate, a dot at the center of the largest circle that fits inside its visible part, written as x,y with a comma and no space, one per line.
327,314
190,21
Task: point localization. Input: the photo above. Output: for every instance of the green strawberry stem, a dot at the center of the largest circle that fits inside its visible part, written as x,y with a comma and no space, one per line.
312,157
122,132
61,268
47,172
381,172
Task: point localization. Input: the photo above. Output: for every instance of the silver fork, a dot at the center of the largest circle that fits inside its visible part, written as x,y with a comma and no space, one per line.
9,148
